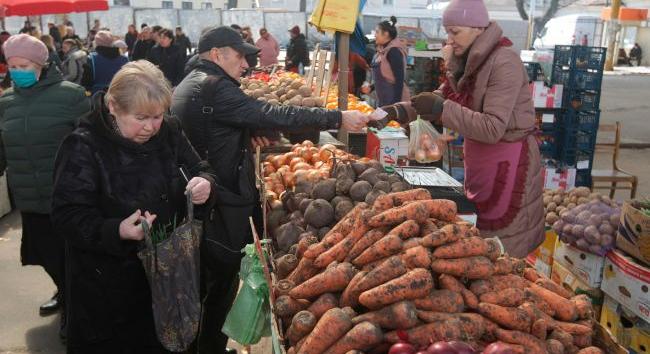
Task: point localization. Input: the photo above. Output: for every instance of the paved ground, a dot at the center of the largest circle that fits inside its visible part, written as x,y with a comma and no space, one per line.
626,98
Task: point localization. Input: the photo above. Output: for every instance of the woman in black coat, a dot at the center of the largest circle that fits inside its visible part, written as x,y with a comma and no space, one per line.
120,167
169,57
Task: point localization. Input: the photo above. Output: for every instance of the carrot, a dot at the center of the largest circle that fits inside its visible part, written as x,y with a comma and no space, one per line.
431,332
406,230
413,211
564,309
374,264
366,241
554,346
465,247
383,203
531,343
536,314
400,315
591,350
441,209
539,302
336,253
508,265
363,336
303,271
427,227
490,330
304,244
350,296
329,241
582,341
450,283
331,280
411,242
448,234
583,306
573,329
441,301
332,326
531,274
554,287
324,303
301,324
507,317
470,267
563,337
391,268
497,283
360,226
283,287
385,247
407,196
285,265
415,284
539,329
344,226
511,297
286,306
416,257
495,251
471,325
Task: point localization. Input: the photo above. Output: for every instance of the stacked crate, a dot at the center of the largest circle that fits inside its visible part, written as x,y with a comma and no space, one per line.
580,70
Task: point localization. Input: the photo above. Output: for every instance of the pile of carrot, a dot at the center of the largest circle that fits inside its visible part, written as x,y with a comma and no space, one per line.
411,265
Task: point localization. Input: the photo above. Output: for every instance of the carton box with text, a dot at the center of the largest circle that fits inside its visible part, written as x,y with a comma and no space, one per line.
628,282
559,178
586,266
569,281
634,233
389,148
546,97
542,257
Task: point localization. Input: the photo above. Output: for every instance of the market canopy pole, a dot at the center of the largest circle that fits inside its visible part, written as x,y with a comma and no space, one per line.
343,57
612,30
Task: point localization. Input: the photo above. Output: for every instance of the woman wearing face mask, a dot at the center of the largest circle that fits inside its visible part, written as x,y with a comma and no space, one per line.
486,99
120,167
35,115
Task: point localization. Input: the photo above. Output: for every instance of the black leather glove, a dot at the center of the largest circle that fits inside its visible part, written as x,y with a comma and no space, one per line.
430,105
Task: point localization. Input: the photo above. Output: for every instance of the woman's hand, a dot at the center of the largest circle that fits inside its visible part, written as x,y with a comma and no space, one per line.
131,228
428,104
200,188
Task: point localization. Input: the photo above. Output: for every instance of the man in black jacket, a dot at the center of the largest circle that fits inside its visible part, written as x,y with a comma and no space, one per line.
297,51
218,119
142,47
169,57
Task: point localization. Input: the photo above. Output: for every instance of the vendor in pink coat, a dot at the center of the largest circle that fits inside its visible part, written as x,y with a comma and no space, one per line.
269,48
486,99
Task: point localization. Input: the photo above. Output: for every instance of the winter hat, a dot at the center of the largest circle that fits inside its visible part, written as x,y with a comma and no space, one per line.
26,46
466,13
120,44
295,30
103,39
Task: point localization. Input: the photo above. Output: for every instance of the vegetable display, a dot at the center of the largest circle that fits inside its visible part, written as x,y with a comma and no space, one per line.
449,291
557,201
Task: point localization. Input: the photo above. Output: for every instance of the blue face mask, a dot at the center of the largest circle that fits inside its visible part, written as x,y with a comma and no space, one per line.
23,78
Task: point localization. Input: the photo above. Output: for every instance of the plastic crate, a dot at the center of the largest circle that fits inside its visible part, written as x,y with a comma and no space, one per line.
547,119
582,100
563,55
547,144
583,178
577,79
535,72
573,120
357,143
590,57
581,159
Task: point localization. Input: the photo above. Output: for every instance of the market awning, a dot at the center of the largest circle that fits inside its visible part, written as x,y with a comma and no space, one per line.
44,7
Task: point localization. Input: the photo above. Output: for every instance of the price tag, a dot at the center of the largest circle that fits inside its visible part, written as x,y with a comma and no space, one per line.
542,267
548,118
583,165
569,279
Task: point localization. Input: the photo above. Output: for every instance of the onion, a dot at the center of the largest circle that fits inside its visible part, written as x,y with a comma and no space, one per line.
441,348
402,348
462,347
498,348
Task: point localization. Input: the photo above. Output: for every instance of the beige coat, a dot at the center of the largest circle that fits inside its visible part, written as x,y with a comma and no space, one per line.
502,110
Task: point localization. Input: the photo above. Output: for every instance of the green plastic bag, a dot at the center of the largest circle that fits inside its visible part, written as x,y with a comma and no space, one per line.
249,318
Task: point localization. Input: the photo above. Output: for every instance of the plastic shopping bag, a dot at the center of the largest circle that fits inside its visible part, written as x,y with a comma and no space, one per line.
425,143
249,318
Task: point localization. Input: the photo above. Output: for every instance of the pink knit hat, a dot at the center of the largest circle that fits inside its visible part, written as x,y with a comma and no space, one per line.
26,46
466,13
103,39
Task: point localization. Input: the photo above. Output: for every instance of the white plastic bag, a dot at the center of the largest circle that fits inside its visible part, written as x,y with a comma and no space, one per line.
425,143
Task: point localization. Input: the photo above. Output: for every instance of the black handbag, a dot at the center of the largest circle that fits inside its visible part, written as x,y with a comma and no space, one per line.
227,228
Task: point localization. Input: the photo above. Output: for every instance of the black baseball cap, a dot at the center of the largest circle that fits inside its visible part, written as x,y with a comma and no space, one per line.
225,36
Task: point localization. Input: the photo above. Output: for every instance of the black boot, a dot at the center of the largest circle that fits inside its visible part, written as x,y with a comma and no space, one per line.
51,306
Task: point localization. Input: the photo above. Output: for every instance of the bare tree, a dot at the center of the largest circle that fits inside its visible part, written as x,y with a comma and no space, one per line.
540,21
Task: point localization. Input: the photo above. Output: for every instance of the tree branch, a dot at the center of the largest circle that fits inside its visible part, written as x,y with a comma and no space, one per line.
521,9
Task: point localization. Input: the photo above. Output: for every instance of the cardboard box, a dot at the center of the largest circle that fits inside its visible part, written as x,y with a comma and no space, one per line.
542,257
584,265
569,281
628,283
609,317
634,233
546,97
629,330
390,148
559,178
640,343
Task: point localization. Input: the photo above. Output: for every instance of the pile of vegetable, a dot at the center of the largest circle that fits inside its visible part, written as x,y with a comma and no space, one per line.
643,205
286,90
403,273
557,201
590,227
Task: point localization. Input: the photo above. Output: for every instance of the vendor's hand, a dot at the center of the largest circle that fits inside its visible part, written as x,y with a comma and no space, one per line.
428,103
365,88
354,121
260,141
200,188
131,228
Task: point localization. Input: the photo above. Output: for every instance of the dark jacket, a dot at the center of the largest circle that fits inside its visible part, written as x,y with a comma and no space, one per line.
141,49
56,35
297,52
220,138
130,39
102,178
100,68
183,43
170,60
34,122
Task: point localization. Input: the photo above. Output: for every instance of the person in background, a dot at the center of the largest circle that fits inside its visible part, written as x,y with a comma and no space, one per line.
169,57
143,45
69,34
56,35
155,33
585,41
35,115
27,28
130,38
247,34
636,53
53,56
297,51
102,64
67,22
118,169
4,35
96,25
269,48
486,99
119,44
623,59
74,59
182,41
90,40
252,60
237,28
388,66
142,26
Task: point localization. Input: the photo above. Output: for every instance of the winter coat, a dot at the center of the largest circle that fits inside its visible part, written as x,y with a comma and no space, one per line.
34,122
170,60
184,43
297,52
141,49
130,39
501,110
73,65
389,73
100,68
101,179
269,50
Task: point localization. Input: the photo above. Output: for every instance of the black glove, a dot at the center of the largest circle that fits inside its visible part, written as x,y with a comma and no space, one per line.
430,105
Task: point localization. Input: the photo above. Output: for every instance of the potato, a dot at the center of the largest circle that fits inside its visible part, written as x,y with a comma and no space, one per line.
283,98
582,200
551,218
308,102
295,101
273,102
592,235
571,206
560,209
320,101
292,93
606,229
296,84
305,91
262,99
582,192
319,213
280,92
573,199
547,199
615,219
557,200
578,230
360,190
551,206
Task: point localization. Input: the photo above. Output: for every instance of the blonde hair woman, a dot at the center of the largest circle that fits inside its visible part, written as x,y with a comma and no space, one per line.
126,163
